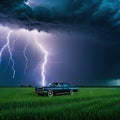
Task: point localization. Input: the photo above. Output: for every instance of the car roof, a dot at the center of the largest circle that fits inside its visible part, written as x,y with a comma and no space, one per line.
60,82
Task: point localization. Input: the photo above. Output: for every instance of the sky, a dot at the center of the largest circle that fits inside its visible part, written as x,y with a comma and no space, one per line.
72,41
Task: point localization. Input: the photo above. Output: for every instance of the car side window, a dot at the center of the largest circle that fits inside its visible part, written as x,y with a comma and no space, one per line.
66,85
59,85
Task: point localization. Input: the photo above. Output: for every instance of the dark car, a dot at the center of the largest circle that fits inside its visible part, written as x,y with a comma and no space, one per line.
56,88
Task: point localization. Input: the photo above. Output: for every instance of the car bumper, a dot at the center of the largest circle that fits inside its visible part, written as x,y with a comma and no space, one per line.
41,92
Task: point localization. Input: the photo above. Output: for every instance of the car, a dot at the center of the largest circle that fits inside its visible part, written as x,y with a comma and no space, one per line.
56,88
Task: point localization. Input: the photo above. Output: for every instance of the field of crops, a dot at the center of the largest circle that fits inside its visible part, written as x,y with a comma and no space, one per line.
87,104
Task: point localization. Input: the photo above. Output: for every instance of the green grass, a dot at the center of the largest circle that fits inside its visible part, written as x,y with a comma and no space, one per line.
87,104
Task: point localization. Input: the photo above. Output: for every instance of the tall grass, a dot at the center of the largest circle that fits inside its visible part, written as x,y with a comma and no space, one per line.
87,104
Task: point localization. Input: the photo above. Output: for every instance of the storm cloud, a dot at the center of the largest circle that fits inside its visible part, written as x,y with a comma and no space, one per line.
62,14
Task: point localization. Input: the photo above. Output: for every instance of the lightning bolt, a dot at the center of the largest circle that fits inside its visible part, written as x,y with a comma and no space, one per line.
44,60
7,45
25,56
12,50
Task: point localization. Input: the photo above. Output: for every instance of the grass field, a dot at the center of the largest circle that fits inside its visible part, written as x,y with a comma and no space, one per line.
87,104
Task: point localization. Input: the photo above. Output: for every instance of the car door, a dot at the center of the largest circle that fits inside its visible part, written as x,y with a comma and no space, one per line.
59,88
66,87
61,85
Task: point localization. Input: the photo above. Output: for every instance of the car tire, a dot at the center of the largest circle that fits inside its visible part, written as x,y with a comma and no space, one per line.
50,93
40,94
71,92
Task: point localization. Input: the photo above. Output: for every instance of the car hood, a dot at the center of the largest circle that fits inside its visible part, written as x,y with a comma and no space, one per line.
45,87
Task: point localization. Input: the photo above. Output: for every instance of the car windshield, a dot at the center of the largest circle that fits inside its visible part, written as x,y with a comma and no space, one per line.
53,84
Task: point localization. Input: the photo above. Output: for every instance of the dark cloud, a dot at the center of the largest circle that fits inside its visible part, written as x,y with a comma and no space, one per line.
67,14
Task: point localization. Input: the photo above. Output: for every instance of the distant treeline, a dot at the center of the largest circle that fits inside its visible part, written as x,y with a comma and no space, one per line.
100,86
26,86
78,86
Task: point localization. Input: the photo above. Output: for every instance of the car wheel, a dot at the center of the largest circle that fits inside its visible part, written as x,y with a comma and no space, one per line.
50,93
71,92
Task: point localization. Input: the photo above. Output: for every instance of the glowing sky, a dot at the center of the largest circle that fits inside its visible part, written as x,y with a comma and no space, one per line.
75,41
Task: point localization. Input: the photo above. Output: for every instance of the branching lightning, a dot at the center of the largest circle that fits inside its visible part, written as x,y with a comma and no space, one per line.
11,51
26,58
7,45
44,61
